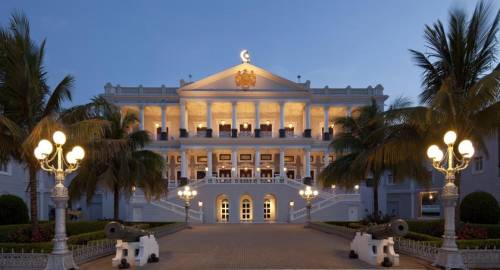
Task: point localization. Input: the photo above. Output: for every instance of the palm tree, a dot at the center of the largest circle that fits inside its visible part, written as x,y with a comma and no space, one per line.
368,146
460,89
28,108
118,162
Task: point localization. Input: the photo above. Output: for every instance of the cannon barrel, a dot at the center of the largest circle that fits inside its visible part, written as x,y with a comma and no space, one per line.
397,227
115,230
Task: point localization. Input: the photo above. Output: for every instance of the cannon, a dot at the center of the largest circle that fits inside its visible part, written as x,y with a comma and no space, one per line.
395,228
133,246
375,244
115,231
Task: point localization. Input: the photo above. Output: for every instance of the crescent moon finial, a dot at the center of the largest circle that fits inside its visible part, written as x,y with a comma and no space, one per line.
245,56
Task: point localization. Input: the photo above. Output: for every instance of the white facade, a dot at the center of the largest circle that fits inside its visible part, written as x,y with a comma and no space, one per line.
247,140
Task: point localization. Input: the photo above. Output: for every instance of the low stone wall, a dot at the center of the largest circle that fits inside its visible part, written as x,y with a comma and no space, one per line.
81,254
473,258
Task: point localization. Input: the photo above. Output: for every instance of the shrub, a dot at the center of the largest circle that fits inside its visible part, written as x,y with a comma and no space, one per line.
430,227
84,238
13,210
24,234
420,237
479,207
79,227
472,232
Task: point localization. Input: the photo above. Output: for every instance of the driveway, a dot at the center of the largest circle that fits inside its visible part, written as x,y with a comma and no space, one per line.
254,246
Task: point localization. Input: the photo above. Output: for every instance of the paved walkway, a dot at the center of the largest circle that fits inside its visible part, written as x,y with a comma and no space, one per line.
253,246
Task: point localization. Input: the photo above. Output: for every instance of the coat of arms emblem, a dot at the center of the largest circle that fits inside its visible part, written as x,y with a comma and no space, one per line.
245,79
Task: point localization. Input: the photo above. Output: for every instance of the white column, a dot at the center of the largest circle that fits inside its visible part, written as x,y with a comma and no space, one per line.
257,115
182,120
234,163
164,118
184,165
282,162
308,116
209,162
209,115
233,115
257,163
141,117
282,115
307,160
326,118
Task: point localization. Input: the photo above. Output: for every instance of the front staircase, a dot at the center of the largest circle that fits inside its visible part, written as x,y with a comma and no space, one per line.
325,199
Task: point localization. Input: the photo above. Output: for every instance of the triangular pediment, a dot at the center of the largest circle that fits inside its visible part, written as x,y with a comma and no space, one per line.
226,80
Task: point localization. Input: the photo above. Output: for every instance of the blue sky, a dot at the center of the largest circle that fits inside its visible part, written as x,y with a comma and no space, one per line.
335,43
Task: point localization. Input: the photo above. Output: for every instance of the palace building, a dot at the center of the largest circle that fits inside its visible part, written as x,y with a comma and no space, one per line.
247,140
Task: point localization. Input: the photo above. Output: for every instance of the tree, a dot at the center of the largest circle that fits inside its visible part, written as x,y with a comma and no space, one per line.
368,146
460,91
117,162
28,108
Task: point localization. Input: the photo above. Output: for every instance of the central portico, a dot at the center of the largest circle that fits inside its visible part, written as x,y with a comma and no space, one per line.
241,133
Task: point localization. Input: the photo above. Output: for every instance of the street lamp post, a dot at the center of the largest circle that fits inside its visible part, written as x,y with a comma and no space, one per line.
448,255
187,195
60,166
308,195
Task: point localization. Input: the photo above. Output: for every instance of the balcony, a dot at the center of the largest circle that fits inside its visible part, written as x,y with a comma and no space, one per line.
224,134
245,134
266,134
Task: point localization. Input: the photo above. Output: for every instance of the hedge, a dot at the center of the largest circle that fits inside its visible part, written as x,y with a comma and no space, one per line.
13,210
73,240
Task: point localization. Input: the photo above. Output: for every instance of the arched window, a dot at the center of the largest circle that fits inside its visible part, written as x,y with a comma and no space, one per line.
246,210
267,209
224,208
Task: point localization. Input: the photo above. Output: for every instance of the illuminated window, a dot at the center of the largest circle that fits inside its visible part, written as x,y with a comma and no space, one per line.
430,205
224,208
267,209
246,210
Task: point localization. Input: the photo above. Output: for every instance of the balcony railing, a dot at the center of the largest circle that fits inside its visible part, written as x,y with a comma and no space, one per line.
246,134
224,134
245,180
266,134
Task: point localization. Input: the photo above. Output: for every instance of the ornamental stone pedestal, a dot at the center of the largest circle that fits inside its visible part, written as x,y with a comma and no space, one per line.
448,255
61,257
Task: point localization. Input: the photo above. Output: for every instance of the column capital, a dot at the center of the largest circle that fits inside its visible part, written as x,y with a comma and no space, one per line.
326,106
234,102
141,106
209,102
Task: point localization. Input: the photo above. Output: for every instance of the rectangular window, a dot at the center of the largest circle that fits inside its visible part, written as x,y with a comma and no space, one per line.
201,159
4,168
390,179
289,159
246,157
224,157
266,157
478,164
430,205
